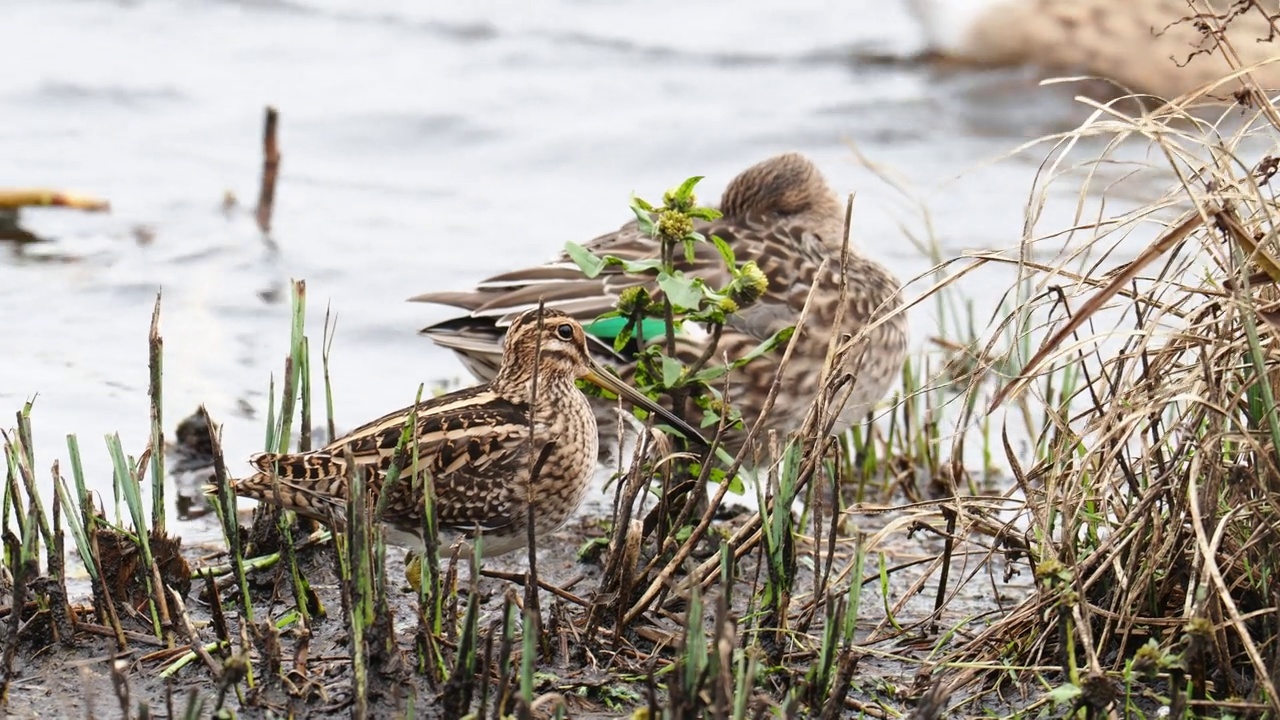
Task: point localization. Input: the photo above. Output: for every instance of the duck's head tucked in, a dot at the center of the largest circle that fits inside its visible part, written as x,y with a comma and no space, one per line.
785,185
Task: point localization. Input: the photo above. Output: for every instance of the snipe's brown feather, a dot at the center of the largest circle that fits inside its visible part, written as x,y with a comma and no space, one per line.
469,442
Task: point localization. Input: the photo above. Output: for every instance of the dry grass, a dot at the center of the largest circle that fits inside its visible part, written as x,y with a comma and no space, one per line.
1151,513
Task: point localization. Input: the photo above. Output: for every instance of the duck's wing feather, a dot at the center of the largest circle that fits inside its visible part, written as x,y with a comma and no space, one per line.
784,248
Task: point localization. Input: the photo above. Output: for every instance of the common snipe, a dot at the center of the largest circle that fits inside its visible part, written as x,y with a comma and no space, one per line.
779,213
478,446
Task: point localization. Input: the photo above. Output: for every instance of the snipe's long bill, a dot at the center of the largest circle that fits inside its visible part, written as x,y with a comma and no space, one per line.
476,446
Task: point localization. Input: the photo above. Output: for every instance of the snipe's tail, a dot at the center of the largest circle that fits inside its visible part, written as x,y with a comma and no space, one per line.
313,484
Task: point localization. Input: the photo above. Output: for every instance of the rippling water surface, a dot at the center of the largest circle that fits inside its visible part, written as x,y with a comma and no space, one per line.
428,145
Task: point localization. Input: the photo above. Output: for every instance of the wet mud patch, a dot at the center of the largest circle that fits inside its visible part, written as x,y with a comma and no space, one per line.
585,666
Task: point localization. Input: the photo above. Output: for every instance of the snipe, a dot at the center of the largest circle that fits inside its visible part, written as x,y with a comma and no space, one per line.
477,446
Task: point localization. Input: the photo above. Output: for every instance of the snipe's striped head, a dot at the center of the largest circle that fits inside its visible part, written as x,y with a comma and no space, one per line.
556,345
550,340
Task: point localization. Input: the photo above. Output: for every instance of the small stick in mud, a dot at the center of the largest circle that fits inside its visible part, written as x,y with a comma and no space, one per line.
270,170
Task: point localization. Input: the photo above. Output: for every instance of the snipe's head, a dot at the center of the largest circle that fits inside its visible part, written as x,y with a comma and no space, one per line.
784,185
556,345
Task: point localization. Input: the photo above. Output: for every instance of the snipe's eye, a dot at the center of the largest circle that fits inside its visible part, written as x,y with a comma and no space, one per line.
565,332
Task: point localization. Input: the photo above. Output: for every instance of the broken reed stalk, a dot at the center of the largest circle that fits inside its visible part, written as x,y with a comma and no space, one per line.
23,557
461,685
155,366
55,562
224,504
270,170
292,367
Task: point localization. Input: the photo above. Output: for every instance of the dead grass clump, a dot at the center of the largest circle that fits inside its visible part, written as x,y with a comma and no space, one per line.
1153,503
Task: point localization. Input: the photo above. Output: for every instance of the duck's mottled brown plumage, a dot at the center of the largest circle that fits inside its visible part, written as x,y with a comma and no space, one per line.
780,213
1146,46
477,446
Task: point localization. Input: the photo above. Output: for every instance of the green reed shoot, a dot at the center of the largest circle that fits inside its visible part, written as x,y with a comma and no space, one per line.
430,591
818,679
529,654
778,534
224,506
84,501
886,591
297,368
1258,364
10,487
293,367
24,456
694,657
269,441
849,627
295,390
78,532
129,488
25,568
459,690
504,655
304,363
326,345
359,566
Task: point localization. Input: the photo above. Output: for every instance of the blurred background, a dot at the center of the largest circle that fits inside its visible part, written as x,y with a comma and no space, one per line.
429,145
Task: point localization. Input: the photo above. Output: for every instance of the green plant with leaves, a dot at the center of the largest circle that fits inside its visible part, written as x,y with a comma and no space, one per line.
650,322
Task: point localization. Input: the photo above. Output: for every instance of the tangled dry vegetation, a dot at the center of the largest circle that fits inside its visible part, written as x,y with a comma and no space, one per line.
1152,508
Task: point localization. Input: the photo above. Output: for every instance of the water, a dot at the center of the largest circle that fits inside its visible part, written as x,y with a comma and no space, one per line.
427,146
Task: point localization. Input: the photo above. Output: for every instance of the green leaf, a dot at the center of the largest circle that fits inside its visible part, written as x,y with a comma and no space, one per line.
638,266
623,337
640,203
1064,694
684,292
727,459
671,371
585,259
705,213
689,249
778,338
643,218
686,188
708,374
726,252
